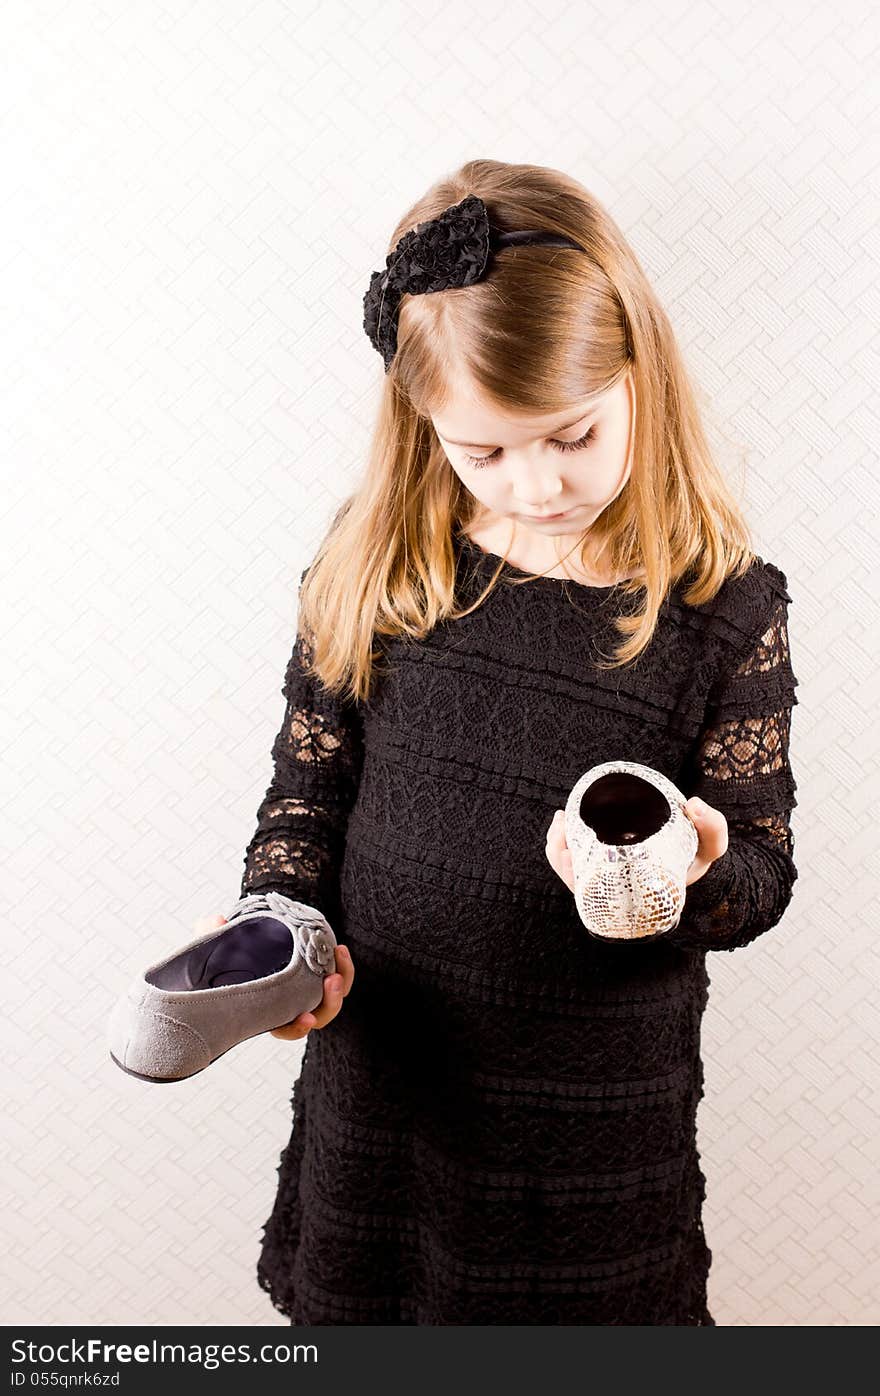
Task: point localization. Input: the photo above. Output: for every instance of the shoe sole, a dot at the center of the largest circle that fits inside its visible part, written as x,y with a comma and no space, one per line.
163,1080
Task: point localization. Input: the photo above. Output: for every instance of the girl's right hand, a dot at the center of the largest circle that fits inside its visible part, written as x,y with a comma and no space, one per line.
336,986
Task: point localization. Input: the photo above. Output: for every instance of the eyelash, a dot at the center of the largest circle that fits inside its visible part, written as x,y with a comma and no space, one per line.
478,461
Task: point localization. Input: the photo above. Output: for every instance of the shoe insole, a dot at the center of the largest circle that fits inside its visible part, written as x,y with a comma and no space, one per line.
260,946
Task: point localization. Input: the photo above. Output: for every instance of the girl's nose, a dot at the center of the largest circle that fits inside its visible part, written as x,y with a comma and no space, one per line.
540,499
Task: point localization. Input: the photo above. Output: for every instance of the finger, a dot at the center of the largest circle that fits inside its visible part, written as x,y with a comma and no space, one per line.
556,845
566,870
560,861
345,967
209,923
556,831
711,826
297,1028
331,1001
703,815
335,988
319,1017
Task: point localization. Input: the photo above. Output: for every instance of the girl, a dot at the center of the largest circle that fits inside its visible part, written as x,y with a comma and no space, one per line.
499,1126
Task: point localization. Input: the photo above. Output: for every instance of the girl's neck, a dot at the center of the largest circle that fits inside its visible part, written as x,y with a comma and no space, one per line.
494,535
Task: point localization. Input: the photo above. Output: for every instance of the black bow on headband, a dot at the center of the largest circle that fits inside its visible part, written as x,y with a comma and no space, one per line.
450,250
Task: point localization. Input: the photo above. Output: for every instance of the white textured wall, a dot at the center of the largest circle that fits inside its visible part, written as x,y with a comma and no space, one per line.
194,197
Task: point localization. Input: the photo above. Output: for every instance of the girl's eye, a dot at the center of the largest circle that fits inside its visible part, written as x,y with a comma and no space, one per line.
582,441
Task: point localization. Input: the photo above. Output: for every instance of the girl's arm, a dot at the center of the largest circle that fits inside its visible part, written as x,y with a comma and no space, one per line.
299,840
741,766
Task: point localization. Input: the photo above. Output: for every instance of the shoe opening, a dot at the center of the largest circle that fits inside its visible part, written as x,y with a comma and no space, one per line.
623,808
250,950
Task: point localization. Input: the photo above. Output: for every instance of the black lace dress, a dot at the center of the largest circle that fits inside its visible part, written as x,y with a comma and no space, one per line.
499,1127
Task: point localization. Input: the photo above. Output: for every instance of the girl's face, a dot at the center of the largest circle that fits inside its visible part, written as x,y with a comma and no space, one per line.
574,463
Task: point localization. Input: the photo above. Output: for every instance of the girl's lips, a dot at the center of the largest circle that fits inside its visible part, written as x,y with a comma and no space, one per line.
539,518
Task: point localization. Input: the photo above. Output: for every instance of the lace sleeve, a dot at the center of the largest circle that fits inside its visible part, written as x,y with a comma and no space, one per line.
741,766
299,840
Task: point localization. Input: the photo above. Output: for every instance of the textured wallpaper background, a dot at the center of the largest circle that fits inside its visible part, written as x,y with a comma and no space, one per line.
194,197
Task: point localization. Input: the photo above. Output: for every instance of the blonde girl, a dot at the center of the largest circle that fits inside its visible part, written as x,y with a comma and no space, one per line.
540,569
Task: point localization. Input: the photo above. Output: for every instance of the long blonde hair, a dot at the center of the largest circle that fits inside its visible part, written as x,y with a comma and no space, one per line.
547,327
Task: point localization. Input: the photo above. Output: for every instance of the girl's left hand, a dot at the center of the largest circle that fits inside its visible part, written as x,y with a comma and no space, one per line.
710,824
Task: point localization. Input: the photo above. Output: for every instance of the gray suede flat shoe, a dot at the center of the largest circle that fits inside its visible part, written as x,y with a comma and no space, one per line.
259,971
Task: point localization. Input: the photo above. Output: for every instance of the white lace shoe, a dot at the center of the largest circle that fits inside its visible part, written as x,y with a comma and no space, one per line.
631,842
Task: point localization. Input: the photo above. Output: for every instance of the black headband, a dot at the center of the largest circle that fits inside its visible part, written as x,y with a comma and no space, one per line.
453,249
